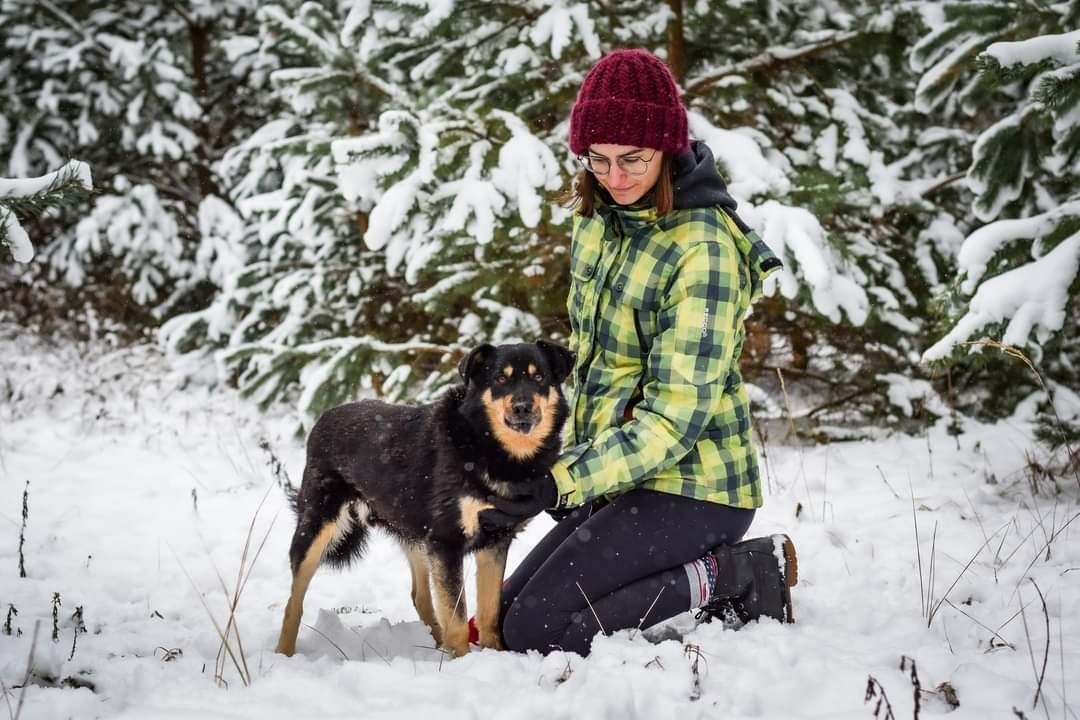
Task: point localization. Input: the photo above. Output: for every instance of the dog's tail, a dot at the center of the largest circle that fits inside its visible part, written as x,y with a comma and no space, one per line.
292,496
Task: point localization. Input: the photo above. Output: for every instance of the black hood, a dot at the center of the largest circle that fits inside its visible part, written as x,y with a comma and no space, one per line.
698,183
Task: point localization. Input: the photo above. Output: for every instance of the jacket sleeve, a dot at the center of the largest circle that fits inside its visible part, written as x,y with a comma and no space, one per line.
685,372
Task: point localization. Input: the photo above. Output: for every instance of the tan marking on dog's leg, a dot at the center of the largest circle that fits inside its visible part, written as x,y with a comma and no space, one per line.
490,566
450,608
421,591
470,514
294,609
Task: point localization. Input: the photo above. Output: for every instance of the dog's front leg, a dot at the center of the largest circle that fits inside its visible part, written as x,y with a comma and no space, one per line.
490,566
420,569
446,574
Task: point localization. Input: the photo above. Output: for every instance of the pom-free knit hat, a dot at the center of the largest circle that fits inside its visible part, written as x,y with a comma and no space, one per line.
629,98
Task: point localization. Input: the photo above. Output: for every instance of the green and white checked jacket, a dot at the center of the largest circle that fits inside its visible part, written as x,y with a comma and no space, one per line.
656,314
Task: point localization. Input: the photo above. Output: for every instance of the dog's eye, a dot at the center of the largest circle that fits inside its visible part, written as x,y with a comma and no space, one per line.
501,380
539,377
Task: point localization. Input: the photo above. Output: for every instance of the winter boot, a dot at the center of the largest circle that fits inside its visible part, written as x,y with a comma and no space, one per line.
754,578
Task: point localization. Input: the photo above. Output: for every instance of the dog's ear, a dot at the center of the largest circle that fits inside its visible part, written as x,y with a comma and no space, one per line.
560,359
474,360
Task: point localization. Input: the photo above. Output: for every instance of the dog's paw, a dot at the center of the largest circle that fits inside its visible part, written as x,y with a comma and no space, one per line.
491,639
457,649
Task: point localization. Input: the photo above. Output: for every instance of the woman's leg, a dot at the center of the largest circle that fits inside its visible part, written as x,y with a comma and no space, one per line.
608,571
539,554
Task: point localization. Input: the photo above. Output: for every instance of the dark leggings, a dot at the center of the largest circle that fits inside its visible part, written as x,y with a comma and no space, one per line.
625,557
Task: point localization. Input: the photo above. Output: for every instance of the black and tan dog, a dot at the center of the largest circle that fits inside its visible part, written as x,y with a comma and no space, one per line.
423,474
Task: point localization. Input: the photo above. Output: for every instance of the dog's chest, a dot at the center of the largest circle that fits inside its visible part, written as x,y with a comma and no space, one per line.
499,487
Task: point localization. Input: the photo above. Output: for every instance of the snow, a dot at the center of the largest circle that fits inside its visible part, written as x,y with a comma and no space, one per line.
555,28
931,78
26,187
13,233
438,10
798,239
313,40
1062,48
904,390
135,483
983,244
472,197
1032,298
526,164
135,226
846,110
221,236
747,171
825,147
391,211
359,13
1005,191
943,236
22,250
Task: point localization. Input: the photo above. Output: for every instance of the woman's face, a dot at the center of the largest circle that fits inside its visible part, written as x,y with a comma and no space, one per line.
625,188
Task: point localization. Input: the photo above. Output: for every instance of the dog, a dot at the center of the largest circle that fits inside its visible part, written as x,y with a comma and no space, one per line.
424,474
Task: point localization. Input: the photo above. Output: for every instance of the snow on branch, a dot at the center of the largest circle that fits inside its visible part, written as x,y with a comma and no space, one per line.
555,28
984,243
1031,297
770,58
526,164
748,171
797,237
1063,48
29,197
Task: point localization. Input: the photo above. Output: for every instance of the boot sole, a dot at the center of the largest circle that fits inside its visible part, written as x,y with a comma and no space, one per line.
791,573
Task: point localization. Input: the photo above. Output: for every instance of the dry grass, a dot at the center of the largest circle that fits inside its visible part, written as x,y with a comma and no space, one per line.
1012,351
231,647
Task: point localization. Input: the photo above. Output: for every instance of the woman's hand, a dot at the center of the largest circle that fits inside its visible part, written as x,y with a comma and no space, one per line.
540,495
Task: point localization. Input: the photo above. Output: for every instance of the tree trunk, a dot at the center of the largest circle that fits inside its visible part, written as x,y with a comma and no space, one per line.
200,46
676,45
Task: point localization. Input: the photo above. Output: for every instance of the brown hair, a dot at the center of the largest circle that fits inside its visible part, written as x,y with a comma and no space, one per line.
581,194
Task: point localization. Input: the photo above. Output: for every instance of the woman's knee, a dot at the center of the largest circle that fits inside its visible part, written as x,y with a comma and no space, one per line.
526,626
516,632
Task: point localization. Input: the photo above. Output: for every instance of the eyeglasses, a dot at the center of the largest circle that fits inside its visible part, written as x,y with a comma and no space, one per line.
630,164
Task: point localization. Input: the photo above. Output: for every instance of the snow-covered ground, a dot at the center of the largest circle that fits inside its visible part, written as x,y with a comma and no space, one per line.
140,492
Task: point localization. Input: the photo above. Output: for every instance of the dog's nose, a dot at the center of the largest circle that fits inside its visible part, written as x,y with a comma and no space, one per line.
521,408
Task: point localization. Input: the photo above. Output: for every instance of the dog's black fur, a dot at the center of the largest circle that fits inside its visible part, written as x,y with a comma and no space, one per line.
424,473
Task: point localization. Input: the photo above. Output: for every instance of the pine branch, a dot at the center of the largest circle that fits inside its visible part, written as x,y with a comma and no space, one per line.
65,192
28,198
769,61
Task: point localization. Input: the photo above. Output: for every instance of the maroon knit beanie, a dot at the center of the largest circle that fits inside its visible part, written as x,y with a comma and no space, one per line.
629,98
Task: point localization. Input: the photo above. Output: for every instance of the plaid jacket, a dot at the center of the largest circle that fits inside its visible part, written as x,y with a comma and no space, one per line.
656,314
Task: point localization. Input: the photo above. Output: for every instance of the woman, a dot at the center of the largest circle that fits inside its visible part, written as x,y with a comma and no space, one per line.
660,479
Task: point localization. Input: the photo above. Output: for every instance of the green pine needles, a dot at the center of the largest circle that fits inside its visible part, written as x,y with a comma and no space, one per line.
23,200
337,199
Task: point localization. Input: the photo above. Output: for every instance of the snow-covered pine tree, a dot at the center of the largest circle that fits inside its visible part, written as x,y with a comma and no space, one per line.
143,93
403,195
825,90
1015,78
401,209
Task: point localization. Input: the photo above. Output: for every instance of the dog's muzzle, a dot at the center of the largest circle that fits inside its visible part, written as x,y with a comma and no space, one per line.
522,417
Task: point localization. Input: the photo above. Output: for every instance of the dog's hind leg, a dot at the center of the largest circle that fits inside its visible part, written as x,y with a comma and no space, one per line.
305,561
421,590
446,571
490,566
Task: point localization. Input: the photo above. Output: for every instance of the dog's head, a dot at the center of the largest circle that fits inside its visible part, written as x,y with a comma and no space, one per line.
519,387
